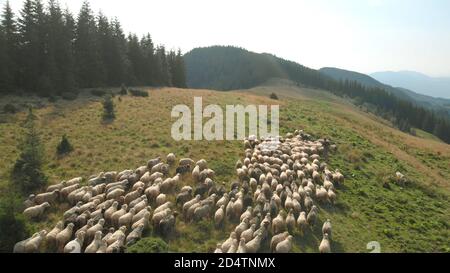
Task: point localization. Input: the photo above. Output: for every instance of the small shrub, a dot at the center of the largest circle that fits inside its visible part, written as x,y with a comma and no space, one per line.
138,93
108,109
10,108
69,96
274,96
149,245
123,90
64,147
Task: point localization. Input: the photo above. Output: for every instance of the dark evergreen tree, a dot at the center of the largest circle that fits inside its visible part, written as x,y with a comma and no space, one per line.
89,69
64,146
8,51
108,109
27,174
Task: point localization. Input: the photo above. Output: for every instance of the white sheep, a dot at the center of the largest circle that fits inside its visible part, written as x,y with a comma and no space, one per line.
285,246
36,211
76,244
324,246
95,244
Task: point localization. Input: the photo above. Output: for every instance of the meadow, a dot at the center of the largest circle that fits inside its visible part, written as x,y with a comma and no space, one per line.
413,217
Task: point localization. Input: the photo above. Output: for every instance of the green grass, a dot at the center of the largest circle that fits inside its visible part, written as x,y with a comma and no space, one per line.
413,218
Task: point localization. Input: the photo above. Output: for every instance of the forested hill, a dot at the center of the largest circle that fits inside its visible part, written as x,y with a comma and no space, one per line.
228,68
48,51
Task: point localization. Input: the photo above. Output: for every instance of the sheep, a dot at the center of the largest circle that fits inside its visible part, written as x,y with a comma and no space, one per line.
51,236
144,220
152,192
153,162
290,221
331,196
115,194
133,195
140,214
302,223
246,214
219,216
233,246
49,197
278,224
123,183
254,245
338,177
136,201
134,235
116,235
321,194
64,236
89,224
247,235
183,169
110,211
36,211
201,212
167,225
110,177
102,247
227,244
186,161
326,228
324,246
242,247
95,244
126,219
196,173
116,245
29,202
90,233
33,245
312,216
285,246
116,215
277,239
164,206
171,158
67,190
243,226
161,199
184,196
167,185
110,233
141,205
19,247
99,179
188,204
218,248
76,244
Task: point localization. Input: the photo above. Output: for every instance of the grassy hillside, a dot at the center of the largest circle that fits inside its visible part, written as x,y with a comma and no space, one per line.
410,218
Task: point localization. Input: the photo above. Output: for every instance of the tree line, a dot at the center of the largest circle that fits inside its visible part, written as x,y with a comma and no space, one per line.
47,51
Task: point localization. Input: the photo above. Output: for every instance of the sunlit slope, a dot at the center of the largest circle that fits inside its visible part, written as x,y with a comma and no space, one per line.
413,218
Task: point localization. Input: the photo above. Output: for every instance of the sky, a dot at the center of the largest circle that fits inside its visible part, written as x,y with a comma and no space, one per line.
360,35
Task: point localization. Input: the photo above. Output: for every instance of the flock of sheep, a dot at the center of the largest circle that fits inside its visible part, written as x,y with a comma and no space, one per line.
276,193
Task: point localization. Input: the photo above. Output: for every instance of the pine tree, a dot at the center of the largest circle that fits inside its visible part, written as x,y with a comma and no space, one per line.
88,64
27,174
8,50
64,146
108,109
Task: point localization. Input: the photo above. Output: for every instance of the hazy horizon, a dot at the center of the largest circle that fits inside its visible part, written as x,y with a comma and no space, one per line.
366,36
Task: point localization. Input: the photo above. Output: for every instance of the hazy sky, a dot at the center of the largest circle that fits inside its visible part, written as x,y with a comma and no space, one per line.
361,35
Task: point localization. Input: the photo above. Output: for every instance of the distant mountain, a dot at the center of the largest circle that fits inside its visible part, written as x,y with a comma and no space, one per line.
429,102
418,82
